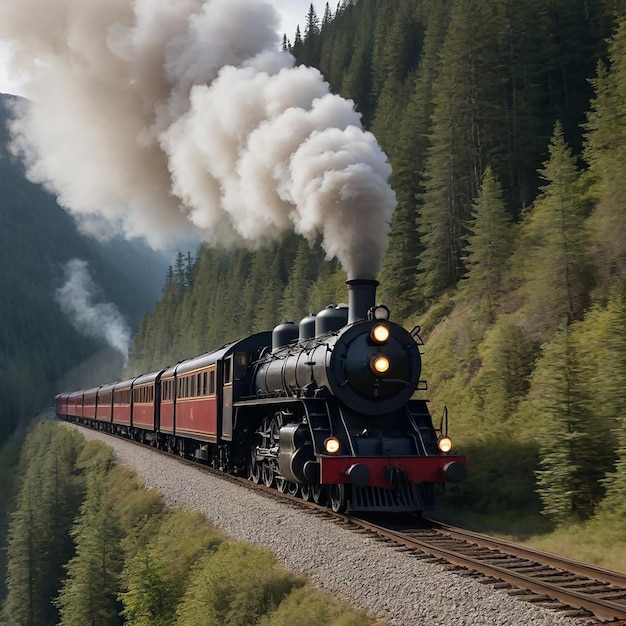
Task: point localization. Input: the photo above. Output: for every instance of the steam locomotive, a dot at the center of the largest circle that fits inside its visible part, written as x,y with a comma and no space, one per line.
322,409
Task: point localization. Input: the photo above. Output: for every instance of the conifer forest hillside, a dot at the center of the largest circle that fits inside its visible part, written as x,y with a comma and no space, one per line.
505,125
39,339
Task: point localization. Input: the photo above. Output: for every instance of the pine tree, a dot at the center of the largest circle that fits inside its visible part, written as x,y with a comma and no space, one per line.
554,247
502,381
488,247
605,151
328,16
297,47
25,605
38,531
457,149
89,593
354,76
399,273
609,383
568,478
304,270
157,574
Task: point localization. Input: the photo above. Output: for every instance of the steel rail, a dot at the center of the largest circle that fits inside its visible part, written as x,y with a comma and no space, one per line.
604,609
546,558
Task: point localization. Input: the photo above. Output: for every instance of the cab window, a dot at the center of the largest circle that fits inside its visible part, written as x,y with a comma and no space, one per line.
228,364
241,365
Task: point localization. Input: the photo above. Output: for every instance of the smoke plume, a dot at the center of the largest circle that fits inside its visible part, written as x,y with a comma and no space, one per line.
157,119
98,320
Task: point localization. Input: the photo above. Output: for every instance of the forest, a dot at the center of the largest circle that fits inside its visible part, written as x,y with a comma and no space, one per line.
505,125
89,545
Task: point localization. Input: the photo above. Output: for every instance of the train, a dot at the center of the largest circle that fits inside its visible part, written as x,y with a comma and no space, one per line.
324,409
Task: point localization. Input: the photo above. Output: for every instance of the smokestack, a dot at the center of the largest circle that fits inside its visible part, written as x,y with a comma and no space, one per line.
361,298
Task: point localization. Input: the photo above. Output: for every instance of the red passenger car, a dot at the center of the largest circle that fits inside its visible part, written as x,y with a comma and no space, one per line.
196,400
104,408
122,403
89,403
146,400
75,405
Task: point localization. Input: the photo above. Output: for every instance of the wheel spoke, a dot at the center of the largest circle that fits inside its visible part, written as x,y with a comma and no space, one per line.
268,475
320,495
338,501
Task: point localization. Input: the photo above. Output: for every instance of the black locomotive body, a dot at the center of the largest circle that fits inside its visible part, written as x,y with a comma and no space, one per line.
323,409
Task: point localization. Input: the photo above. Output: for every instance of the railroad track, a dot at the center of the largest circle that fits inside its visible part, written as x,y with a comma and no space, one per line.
573,588
579,589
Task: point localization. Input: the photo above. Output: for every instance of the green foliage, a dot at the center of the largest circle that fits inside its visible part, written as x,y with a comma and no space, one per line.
506,362
132,561
9,457
605,152
611,386
309,607
489,245
88,596
235,586
554,245
497,488
38,536
502,234
571,440
157,574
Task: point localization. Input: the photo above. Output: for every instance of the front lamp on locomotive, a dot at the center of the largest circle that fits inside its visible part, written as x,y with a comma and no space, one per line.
342,407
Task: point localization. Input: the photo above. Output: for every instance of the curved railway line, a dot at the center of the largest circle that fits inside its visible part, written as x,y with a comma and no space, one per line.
571,587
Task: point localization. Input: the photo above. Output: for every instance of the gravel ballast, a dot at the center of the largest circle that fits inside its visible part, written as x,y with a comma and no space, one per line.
389,584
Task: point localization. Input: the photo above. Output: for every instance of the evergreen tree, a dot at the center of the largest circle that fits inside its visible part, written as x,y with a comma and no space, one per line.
456,154
157,575
328,16
298,44
609,383
237,585
398,278
25,605
354,77
37,543
312,28
305,270
89,593
568,439
489,247
605,151
553,249
502,381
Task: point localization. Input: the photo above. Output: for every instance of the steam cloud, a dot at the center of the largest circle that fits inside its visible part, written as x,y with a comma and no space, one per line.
157,118
98,320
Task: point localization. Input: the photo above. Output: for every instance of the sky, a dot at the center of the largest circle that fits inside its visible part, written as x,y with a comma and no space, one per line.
293,12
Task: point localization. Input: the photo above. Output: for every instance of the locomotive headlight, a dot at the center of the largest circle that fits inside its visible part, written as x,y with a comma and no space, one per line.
444,443
380,333
380,364
331,445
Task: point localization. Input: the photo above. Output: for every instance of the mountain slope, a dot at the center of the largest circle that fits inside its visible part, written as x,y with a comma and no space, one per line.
38,342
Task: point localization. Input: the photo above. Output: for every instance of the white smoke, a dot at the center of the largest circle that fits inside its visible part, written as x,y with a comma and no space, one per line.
98,320
153,117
